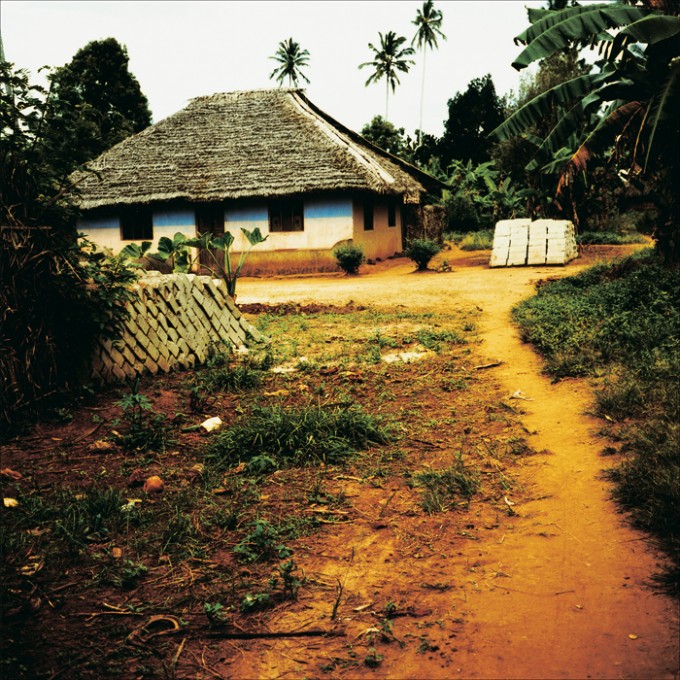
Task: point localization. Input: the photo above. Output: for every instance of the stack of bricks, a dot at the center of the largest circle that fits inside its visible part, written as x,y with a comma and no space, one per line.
174,324
521,242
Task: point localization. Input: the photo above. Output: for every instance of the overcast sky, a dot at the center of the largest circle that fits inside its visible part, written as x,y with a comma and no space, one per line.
180,50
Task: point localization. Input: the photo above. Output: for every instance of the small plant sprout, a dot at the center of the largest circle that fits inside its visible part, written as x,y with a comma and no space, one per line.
373,659
216,613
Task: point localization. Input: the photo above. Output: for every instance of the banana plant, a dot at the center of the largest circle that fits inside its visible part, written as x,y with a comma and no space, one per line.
135,251
222,266
175,250
628,103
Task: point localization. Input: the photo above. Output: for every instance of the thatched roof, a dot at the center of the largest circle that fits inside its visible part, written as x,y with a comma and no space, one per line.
244,144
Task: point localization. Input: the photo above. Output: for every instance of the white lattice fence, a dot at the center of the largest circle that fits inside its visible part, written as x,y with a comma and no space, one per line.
173,325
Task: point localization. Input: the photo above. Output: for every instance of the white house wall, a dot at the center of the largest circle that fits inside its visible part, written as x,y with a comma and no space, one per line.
326,222
105,231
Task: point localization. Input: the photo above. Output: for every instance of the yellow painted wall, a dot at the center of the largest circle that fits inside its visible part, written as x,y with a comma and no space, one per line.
382,241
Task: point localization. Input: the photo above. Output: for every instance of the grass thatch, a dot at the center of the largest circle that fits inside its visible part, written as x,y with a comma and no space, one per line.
244,144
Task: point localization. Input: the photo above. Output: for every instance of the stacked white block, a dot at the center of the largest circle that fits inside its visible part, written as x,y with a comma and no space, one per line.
509,235
521,242
538,242
562,246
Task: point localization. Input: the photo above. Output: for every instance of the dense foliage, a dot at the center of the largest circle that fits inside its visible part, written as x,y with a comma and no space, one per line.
57,294
624,110
473,114
622,322
93,103
56,298
33,174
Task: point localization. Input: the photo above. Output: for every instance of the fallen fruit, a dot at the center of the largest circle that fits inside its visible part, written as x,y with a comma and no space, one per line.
153,485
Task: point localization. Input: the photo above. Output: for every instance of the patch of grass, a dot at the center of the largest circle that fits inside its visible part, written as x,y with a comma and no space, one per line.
435,339
609,238
622,322
299,436
443,488
477,240
261,543
223,374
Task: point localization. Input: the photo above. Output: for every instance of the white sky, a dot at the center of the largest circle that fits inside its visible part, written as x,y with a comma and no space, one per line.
180,50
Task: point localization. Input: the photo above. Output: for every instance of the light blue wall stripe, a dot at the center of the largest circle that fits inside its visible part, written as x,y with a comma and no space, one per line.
174,218
328,208
255,213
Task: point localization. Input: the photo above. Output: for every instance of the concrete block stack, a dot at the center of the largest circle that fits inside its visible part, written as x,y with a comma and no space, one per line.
521,242
173,325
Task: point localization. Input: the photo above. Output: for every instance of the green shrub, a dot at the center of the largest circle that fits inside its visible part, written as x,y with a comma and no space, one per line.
58,296
349,258
421,251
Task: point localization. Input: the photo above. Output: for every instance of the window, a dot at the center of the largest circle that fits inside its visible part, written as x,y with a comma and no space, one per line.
368,215
286,215
136,223
391,212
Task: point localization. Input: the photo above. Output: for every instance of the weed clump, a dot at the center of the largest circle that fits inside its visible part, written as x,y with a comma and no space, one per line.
295,437
443,488
477,240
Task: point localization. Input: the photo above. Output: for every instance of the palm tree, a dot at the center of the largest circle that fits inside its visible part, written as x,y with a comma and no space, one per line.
429,21
388,61
291,59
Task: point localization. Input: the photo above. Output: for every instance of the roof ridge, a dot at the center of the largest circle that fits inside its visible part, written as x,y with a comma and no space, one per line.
336,136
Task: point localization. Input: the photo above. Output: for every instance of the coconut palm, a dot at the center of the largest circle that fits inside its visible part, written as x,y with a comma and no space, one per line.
628,104
292,60
388,60
429,21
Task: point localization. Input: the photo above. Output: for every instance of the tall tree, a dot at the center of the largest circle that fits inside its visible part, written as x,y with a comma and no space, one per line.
388,60
429,21
473,114
33,174
384,134
108,99
627,107
292,59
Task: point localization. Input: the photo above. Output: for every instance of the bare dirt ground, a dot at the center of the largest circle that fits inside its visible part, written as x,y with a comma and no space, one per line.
537,576
556,588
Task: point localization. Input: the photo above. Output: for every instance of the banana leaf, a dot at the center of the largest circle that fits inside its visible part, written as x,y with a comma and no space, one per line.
574,24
